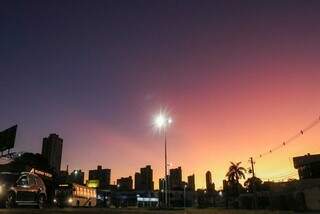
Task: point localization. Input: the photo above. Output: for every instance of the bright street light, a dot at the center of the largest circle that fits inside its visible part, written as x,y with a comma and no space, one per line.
161,122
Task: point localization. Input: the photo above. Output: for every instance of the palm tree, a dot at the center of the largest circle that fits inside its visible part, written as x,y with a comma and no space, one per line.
234,174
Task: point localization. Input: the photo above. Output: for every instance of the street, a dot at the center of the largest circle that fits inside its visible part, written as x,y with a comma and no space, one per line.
141,211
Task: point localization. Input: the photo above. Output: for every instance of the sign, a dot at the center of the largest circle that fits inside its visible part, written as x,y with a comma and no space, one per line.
93,183
146,199
39,172
7,138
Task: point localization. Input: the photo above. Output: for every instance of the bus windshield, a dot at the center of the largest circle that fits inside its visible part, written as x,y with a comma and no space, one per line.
64,191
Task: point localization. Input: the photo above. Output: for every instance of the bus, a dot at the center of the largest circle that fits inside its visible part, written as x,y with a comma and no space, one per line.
75,195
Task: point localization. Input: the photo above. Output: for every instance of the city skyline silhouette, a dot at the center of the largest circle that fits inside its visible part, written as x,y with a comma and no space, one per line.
238,80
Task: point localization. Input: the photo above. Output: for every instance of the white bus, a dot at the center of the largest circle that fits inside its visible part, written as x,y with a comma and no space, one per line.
75,195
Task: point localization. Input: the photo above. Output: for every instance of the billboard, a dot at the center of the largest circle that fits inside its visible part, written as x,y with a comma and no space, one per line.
93,183
7,138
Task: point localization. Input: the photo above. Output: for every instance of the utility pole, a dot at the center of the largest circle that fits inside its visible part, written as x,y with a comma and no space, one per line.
252,166
253,184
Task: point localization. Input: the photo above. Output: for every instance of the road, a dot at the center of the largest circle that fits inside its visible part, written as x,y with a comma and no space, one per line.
140,211
89,210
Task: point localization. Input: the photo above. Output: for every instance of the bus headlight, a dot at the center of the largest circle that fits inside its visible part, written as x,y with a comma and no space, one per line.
70,200
2,188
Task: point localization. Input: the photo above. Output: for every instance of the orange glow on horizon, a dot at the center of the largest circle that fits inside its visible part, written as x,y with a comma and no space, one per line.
244,115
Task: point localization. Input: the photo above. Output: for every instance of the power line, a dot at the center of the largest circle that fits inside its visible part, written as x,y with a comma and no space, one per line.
281,176
283,144
291,139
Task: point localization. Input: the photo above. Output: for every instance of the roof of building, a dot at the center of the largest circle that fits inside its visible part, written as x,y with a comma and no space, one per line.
305,160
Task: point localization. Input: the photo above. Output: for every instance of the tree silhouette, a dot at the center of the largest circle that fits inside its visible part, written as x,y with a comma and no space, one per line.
234,174
253,184
25,162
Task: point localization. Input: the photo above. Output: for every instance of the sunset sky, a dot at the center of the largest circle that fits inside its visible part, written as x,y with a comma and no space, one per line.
237,77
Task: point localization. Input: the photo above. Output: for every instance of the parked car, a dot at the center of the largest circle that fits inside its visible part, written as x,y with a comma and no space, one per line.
17,189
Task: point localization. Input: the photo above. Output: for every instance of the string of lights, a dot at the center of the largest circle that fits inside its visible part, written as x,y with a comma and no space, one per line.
289,140
280,146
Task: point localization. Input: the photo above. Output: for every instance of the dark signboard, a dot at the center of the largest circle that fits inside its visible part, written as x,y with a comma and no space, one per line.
7,138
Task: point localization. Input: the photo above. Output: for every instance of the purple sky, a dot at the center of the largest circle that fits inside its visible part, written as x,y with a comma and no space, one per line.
95,72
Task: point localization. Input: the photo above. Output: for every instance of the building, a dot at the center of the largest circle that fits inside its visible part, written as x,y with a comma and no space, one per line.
102,175
125,183
209,184
208,180
144,179
308,166
77,176
225,185
63,176
162,183
175,179
180,198
191,183
137,181
52,151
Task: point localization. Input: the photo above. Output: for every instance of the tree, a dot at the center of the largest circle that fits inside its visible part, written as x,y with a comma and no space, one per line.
234,174
26,162
253,184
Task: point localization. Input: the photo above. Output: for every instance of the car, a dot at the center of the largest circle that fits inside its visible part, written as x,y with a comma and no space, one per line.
22,189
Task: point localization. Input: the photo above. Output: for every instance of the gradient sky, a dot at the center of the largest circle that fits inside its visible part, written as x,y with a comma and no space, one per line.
238,77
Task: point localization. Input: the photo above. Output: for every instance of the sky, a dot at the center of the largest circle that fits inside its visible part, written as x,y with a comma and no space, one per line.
237,77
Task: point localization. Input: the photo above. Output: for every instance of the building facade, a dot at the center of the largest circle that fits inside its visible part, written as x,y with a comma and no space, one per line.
161,184
52,151
191,183
125,183
209,184
77,176
308,166
175,179
144,179
102,175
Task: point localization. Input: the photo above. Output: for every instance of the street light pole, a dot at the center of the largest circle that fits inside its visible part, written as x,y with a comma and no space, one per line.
161,122
166,169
